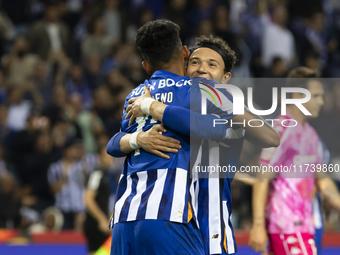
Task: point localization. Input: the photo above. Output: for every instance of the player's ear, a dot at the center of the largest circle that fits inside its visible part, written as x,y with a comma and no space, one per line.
226,77
185,53
147,67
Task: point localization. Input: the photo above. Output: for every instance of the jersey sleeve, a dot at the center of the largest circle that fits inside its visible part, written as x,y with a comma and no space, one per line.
208,125
192,123
94,180
113,147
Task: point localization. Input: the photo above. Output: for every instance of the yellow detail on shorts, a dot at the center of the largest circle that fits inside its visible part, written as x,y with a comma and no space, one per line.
189,213
225,242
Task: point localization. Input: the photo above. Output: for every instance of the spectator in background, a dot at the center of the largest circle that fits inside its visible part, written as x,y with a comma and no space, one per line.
203,10
106,109
37,163
134,70
60,134
42,79
118,57
222,27
66,179
205,27
90,124
279,68
332,68
237,7
55,110
118,86
316,37
93,71
113,20
3,88
77,83
9,197
312,61
176,11
51,220
7,30
24,143
70,11
277,40
144,15
6,133
97,42
49,34
96,201
20,108
19,64
9,201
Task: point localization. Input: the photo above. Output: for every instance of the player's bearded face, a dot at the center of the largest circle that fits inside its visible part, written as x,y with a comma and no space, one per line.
316,102
205,63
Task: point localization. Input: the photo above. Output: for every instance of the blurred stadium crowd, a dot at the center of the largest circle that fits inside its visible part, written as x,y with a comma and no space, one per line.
67,66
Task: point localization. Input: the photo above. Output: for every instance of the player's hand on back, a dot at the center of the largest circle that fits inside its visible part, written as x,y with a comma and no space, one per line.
134,108
258,238
154,142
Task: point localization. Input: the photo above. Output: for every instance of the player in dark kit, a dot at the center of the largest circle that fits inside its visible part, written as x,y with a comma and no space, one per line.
96,201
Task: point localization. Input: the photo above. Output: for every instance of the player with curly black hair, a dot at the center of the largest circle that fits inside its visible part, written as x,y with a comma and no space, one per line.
218,45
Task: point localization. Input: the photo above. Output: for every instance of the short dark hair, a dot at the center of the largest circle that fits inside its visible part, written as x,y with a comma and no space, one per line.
219,43
159,42
300,77
301,72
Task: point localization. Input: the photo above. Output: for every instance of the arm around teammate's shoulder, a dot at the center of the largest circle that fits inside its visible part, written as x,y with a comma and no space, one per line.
263,136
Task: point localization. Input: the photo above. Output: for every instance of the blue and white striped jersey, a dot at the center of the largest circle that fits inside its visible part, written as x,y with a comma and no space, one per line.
214,191
90,162
151,187
70,198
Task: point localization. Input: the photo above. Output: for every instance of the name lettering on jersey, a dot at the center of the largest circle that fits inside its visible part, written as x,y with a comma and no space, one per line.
164,97
170,82
161,84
